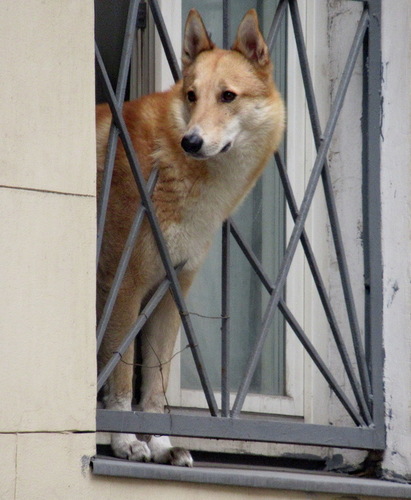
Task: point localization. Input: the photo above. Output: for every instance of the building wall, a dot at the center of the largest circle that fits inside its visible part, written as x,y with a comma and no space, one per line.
396,233
47,263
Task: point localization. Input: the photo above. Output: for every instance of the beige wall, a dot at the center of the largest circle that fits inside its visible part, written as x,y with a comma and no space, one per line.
47,249
47,202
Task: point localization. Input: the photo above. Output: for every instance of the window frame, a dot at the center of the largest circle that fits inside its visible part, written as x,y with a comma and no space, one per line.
370,437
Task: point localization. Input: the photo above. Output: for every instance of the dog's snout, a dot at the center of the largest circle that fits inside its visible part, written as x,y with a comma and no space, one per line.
191,143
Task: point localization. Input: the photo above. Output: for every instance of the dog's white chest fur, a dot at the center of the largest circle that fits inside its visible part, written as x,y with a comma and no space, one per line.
189,239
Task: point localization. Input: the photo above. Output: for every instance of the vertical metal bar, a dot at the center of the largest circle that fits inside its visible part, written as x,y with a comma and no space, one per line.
158,236
165,40
113,135
331,207
303,212
225,320
226,24
225,277
372,208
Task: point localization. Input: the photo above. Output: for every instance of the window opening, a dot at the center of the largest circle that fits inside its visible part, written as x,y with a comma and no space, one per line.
364,401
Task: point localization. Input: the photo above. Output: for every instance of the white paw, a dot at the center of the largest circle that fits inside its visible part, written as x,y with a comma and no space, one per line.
128,446
162,452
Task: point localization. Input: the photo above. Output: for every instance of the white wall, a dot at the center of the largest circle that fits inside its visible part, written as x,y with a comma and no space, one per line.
396,232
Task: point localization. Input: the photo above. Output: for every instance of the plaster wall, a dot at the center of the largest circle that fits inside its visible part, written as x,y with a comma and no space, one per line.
396,232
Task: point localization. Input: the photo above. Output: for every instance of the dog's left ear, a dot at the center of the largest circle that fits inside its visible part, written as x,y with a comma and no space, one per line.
250,41
196,38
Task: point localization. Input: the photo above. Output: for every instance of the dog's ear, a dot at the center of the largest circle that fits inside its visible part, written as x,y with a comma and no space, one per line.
196,38
250,41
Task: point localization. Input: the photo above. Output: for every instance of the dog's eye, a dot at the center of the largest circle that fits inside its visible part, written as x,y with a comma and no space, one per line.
228,96
191,96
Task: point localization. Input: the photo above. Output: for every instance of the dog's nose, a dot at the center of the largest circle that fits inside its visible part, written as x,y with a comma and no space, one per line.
191,143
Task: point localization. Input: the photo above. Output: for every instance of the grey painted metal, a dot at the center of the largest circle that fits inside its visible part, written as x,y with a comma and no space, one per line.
124,261
292,321
113,135
319,283
276,24
366,436
300,221
165,40
131,336
331,207
162,248
251,477
226,24
372,208
225,319
244,429
225,276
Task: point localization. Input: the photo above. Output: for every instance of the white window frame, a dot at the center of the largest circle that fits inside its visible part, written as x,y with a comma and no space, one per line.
301,380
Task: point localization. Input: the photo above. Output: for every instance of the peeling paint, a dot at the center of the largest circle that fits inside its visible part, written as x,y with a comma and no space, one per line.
391,293
85,465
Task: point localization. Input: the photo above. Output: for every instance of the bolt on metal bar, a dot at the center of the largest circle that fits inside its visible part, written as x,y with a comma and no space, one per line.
330,201
133,333
328,310
276,24
158,236
123,263
225,319
303,212
292,321
113,135
165,40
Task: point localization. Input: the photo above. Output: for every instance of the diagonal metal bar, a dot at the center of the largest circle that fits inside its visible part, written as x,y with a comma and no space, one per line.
132,334
157,234
226,24
329,196
276,24
165,40
292,321
332,321
303,212
113,135
124,261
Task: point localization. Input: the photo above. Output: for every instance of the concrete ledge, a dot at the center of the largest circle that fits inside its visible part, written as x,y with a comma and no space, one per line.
274,479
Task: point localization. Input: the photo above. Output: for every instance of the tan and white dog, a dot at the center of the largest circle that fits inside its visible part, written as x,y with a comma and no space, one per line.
210,136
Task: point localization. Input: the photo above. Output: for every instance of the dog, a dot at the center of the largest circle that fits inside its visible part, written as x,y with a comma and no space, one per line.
210,137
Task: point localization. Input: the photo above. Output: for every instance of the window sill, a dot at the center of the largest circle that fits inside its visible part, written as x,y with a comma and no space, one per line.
272,478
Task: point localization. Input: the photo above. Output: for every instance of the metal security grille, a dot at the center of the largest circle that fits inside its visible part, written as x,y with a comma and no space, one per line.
363,402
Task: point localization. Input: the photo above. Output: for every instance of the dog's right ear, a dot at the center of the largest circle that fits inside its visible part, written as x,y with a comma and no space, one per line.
196,38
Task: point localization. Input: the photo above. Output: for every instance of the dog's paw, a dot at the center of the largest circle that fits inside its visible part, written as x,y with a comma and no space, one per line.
180,457
128,446
162,452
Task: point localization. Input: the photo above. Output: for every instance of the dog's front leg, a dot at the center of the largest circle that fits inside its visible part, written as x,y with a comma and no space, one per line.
158,340
119,387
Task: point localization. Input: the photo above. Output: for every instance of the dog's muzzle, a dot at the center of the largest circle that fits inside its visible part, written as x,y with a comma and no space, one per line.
192,143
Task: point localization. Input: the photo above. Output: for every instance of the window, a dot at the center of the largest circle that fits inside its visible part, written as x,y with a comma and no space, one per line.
327,301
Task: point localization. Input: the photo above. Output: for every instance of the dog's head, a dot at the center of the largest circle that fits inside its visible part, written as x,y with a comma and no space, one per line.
228,95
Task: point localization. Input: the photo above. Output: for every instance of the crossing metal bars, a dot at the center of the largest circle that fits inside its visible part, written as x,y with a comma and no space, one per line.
365,374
